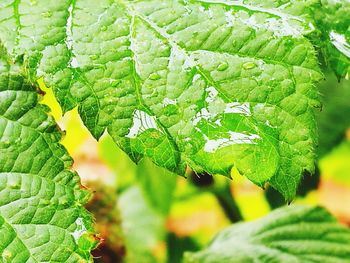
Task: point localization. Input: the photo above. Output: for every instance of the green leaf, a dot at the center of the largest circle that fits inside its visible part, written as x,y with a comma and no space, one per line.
296,234
334,118
333,20
124,168
209,84
143,227
157,184
42,218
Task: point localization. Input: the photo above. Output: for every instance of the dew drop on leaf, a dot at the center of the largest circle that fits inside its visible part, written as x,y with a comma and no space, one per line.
63,201
44,202
154,76
222,66
5,144
15,186
115,83
6,255
249,65
93,57
46,14
289,43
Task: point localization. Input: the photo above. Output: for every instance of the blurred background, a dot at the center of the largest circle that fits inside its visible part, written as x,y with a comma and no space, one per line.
146,214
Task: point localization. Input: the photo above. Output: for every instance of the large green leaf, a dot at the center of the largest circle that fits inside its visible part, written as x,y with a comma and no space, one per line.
209,84
296,234
42,218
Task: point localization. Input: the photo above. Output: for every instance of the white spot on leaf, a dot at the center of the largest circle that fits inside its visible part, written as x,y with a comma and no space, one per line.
339,41
74,63
69,34
142,122
234,138
80,230
236,107
168,101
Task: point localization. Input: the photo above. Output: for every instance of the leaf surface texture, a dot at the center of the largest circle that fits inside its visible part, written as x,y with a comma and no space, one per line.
296,234
205,84
42,218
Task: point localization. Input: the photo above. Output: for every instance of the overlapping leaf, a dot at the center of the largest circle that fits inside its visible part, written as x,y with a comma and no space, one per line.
333,120
209,84
42,218
333,20
292,234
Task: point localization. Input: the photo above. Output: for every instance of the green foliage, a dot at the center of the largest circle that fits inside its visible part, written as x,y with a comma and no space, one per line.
42,218
157,184
200,83
334,119
177,246
143,226
207,84
291,234
333,21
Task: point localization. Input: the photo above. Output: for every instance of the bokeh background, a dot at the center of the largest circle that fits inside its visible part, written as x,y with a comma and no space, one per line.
146,214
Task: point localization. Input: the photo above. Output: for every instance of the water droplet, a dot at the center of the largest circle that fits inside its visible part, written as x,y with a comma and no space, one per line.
109,110
154,76
44,202
63,201
6,255
222,66
93,57
47,14
103,28
14,185
5,144
289,42
249,65
115,83
182,44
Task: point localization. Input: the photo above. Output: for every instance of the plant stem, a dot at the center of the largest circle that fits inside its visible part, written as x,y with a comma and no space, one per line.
228,203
